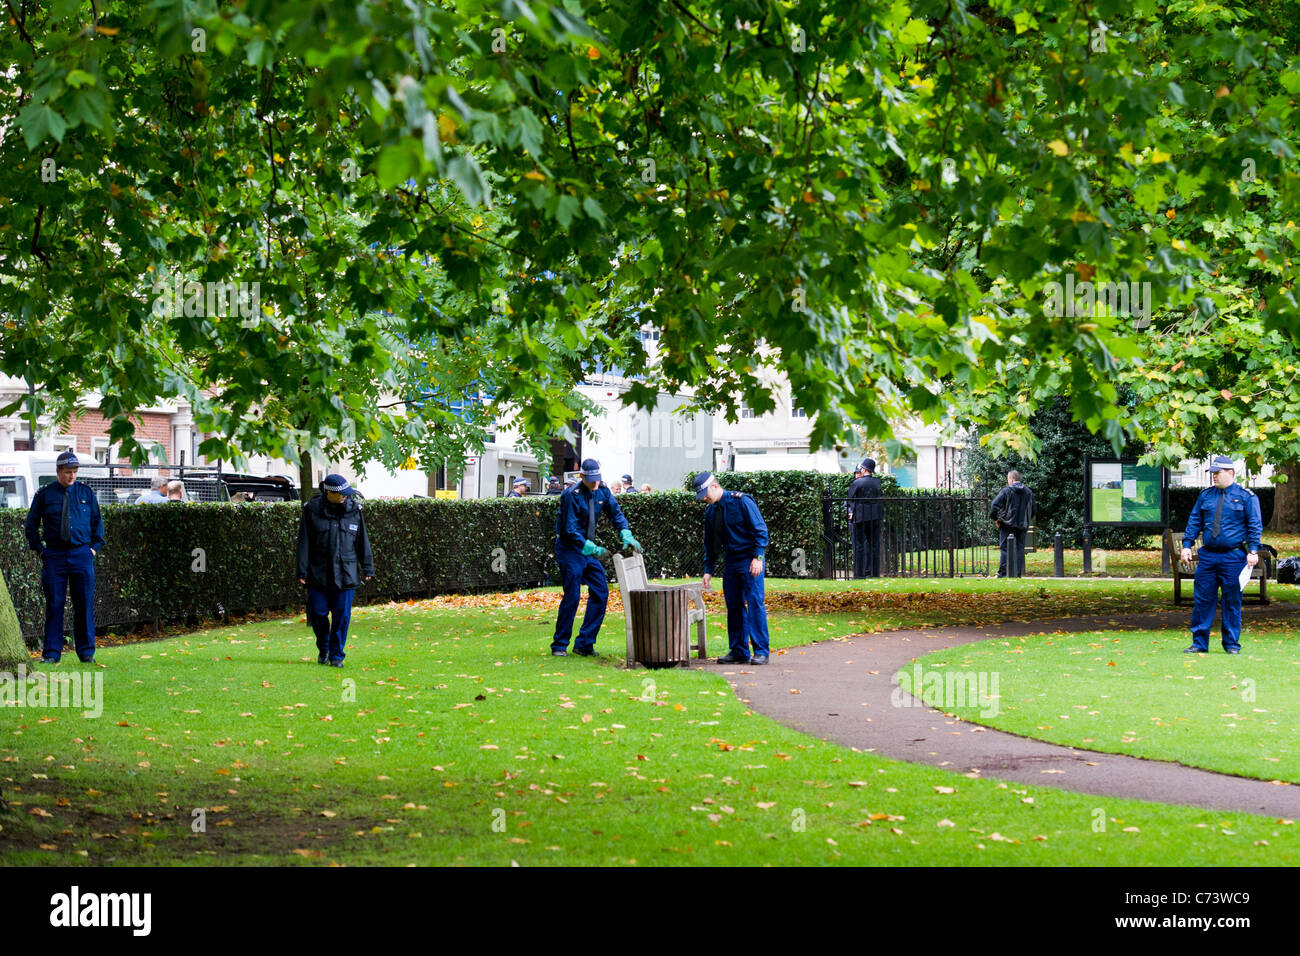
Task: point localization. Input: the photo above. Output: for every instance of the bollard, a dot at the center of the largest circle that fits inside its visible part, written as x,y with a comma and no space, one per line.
1165,570
1087,550
1058,555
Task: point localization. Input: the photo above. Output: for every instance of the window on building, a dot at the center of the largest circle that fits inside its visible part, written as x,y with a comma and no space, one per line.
798,412
64,443
501,486
746,412
99,450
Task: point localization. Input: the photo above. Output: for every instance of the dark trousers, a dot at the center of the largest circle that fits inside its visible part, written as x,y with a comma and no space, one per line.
75,566
331,637
1217,571
866,549
1011,542
746,612
577,569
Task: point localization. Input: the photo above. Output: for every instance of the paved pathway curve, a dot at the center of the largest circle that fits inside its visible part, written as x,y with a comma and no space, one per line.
844,695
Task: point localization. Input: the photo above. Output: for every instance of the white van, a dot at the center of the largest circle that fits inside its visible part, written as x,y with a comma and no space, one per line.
23,473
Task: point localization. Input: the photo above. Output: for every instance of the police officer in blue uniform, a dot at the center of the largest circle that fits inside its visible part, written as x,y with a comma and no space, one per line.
732,522
333,555
66,514
519,488
1227,518
579,558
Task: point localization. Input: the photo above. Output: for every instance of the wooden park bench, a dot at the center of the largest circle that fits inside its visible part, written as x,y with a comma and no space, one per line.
1187,569
632,577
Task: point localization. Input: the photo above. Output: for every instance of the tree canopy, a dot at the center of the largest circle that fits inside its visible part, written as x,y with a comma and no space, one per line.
490,196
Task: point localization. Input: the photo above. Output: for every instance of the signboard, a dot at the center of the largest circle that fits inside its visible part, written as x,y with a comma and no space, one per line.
1125,494
446,493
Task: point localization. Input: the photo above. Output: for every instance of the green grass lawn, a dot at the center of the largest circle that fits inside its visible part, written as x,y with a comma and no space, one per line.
1135,693
452,737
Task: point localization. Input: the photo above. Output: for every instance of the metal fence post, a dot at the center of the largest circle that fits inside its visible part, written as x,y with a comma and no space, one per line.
1087,550
1058,556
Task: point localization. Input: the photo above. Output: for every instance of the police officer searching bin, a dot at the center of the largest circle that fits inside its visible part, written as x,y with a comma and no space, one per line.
579,556
66,514
333,556
1227,518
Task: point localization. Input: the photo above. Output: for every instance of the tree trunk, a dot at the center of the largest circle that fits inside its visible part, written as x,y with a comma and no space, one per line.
306,481
1286,500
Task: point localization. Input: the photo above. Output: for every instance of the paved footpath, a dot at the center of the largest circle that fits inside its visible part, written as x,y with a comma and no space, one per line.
844,692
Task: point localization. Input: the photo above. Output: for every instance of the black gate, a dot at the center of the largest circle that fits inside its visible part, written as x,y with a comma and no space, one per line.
942,535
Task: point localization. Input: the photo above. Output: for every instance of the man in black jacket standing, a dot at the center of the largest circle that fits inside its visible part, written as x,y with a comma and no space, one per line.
65,513
333,556
865,513
1013,511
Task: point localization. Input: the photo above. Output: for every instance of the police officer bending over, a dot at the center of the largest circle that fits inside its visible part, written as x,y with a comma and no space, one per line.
66,514
1227,518
732,522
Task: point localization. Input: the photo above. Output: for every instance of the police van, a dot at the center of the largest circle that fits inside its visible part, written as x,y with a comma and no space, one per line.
22,474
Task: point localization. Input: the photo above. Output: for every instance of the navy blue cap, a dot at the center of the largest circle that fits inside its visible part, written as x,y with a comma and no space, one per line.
701,484
591,470
628,479
67,459
868,464
522,481
337,484
551,478
1220,462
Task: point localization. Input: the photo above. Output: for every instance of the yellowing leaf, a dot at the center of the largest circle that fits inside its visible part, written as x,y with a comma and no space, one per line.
1058,147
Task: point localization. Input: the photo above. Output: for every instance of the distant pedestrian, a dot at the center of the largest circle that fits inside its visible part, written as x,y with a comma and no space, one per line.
333,557
1013,511
645,489
175,490
628,487
66,514
156,493
520,488
553,486
865,512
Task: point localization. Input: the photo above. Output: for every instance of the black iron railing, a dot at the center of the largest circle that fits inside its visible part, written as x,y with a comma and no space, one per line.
941,535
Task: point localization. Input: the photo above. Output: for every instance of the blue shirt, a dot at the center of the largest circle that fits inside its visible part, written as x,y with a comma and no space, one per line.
45,518
744,533
575,509
1239,522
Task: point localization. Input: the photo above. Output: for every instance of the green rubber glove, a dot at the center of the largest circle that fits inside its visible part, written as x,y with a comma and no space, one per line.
629,541
591,547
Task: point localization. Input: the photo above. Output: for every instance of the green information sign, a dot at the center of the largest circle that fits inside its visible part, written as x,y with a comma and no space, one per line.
1125,493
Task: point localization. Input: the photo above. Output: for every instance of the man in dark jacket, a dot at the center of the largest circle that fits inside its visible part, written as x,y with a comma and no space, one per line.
66,514
1013,510
333,556
865,514
579,556
734,526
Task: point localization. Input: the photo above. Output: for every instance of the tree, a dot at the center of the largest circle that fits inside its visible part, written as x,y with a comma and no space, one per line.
13,651
1055,474
881,195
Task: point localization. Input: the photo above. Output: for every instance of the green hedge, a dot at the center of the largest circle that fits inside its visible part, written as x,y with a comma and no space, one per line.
166,563
181,562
